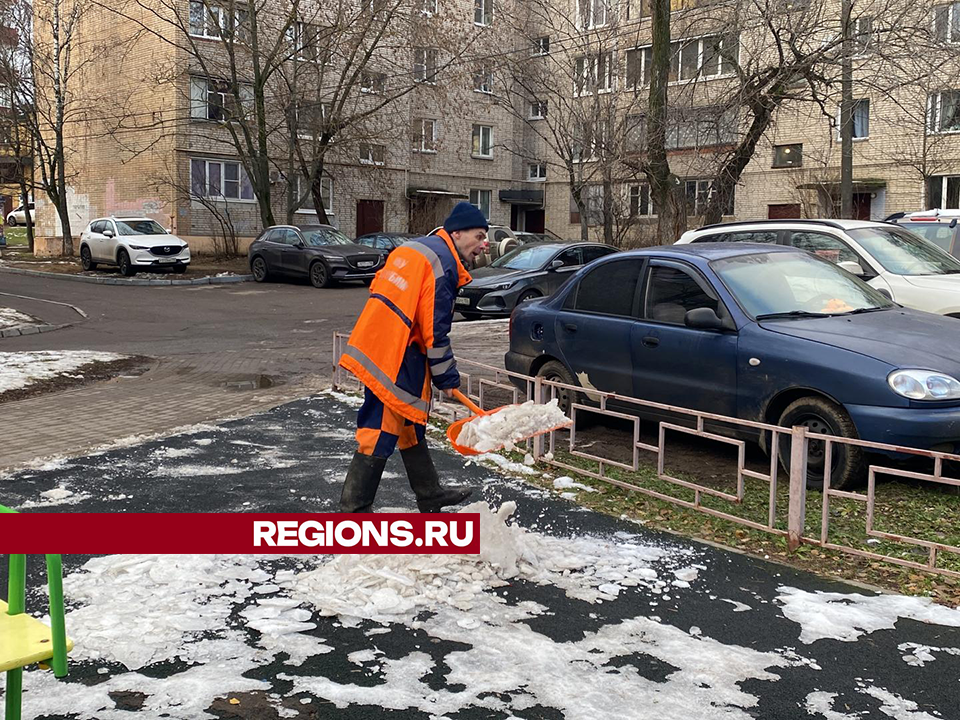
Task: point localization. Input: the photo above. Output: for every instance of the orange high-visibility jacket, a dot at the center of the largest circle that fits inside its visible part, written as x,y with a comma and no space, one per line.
400,340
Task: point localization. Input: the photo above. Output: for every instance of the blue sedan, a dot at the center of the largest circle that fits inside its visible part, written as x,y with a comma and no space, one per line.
756,332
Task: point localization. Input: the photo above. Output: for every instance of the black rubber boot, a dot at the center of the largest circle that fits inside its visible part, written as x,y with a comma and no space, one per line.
431,495
361,483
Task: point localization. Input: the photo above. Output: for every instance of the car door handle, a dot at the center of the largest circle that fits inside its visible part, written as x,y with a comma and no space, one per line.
651,341
569,327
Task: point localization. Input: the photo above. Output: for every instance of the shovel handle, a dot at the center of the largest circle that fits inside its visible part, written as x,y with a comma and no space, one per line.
468,402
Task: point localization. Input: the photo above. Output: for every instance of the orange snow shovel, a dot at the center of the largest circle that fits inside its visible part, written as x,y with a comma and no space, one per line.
453,431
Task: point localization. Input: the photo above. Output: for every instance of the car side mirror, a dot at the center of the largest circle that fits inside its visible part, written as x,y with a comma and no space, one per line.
556,264
852,267
107,233
703,319
886,293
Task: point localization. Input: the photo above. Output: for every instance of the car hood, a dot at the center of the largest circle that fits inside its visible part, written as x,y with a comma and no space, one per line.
152,239
950,283
345,250
900,337
488,276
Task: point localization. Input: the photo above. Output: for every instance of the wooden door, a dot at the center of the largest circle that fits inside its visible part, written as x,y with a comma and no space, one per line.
369,216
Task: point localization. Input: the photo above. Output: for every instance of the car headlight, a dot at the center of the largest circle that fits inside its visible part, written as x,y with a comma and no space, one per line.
924,385
504,286
139,247
331,258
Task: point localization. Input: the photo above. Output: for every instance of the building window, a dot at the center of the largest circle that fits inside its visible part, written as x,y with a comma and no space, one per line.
372,154
640,204
483,80
215,100
481,198
538,109
372,82
307,41
789,6
863,35
326,191
593,13
785,156
707,57
701,127
482,141
311,118
428,7
946,23
6,97
943,192
483,12
698,194
593,204
214,21
219,179
943,112
594,73
537,171
541,45
426,136
425,65
860,112
636,9
638,66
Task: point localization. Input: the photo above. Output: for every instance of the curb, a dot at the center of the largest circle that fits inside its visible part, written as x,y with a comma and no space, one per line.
117,281
21,330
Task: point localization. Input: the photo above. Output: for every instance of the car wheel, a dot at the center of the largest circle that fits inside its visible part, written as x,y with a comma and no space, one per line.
319,275
823,417
555,371
12,222
179,269
258,266
86,260
528,295
123,262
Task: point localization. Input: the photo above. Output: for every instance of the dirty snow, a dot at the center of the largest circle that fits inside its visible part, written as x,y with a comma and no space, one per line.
508,426
919,655
10,318
20,369
820,704
568,483
846,617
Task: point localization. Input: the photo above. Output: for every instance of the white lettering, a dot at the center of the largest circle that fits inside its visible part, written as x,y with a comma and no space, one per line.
308,538
370,531
402,533
435,530
341,528
467,533
288,533
263,532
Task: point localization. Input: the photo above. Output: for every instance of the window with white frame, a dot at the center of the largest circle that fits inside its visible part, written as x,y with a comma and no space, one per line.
482,198
593,13
483,80
860,119
943,112
538,109
593,204
638,198
483,12
6,97
594,73
482,141
537,171
211,20
701,127
946,23
425,65
590,139
636,9
428,7
425,135
541,45
698,194
706,57
372,82
863,36
307,39
638,66
219,179
311,118
326,192
212,99
372,154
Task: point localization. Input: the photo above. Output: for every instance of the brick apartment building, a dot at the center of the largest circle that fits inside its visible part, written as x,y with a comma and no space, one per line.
465,136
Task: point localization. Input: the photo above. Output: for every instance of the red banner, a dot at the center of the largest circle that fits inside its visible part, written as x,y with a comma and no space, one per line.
239,533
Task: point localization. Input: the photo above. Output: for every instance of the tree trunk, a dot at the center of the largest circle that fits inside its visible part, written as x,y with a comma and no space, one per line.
62,207
30,219
665,190
608,207
317,189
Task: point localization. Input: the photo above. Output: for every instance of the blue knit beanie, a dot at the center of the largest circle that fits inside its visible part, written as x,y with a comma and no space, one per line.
465,216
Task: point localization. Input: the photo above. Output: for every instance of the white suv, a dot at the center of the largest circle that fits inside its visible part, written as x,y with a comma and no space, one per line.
903,266
131,243
18,216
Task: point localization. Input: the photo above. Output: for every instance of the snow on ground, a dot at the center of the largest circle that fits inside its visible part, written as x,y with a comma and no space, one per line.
12,318
508,426
846,617
20,369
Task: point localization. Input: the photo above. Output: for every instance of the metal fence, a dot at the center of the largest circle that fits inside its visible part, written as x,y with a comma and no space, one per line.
480,381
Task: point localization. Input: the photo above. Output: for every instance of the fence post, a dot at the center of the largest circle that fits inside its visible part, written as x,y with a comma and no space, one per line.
798,487
538,400
336,365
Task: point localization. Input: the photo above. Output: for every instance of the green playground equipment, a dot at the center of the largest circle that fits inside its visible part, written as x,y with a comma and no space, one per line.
24,640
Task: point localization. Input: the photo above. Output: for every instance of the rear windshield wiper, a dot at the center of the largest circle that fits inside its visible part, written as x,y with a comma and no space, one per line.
791,313
858,311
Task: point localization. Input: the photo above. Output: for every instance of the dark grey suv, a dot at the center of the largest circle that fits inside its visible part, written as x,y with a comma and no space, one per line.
318,252
530,271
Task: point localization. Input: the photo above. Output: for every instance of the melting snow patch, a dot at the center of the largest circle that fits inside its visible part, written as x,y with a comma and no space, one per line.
508,426
820,703
846,617
502,462
892,705
918,655
737,606
20,369
567,483
12,318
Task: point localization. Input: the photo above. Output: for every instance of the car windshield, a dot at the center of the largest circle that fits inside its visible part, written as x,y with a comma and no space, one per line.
903,253
140,227
525,258
795,284
317,236
940,234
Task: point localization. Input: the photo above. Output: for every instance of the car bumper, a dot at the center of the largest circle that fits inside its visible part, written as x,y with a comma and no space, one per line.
144,258
493,302
344,272
923,428
518,363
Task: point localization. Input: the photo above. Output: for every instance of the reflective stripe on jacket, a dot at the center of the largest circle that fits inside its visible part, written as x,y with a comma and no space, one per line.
400,340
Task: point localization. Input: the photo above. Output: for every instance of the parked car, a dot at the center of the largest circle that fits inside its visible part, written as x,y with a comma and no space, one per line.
388,241
132,244
757,332
901,265
18,215
527,237
940,227
318,252
500,241
528,272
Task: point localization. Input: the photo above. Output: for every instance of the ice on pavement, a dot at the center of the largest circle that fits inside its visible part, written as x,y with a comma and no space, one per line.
508,426
845,617
20,369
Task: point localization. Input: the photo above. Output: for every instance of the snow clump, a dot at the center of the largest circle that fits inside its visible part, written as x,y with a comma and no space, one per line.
508,426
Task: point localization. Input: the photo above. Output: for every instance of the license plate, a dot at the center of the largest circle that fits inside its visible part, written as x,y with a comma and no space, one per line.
462,301
170,260
365,263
